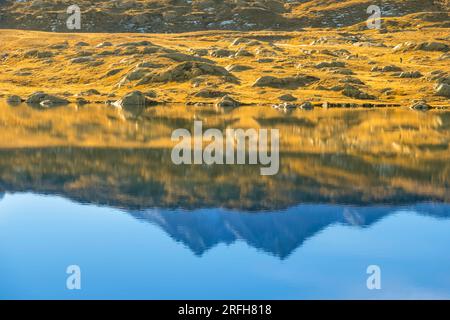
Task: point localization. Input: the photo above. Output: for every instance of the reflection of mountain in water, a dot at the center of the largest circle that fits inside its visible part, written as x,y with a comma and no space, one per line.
278,233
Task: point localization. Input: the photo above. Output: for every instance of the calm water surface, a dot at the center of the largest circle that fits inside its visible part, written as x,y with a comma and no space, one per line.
140,227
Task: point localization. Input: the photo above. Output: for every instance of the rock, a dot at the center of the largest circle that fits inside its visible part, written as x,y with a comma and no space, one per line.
243,53
151,94
104,44
60,46
432,46
411,75
81,101
420,105
351,80
186,71
390,68
332,64
82,60
38,54
237,68
182,57
287,82
353,92
306,106
90,92
136,74
199,52
404,47
287,97
265,60
445,56
82,44
209,93
222,53
112,72
227,102
134,99
14,99
45,99
443,90
239,41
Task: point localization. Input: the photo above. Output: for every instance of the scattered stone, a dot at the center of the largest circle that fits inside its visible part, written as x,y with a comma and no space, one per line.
420,105
82,60
60,46
49,100
90,92
411,75
432,46
134,99
354,92
209,93
390,68
227,102
182,57
238,68
287,82
265,60
14,99
104,44
186,71
38,54
112,72
287,97
222,53
443,90
81,101
332,64
243,53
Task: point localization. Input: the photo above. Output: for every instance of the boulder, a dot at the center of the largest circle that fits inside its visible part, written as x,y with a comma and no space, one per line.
287,82
45,99
186,71
411,75
135,99
227,102
14,99
443,90
287,97
432,46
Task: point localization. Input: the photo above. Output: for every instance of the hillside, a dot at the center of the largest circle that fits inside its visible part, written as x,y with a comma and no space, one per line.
194,15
